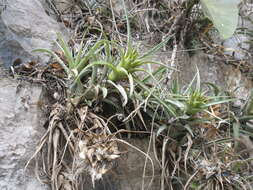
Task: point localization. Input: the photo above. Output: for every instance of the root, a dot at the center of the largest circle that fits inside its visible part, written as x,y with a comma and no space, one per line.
70,148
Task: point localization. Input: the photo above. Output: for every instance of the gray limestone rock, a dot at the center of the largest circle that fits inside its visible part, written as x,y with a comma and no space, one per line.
237,46
20,130
25,26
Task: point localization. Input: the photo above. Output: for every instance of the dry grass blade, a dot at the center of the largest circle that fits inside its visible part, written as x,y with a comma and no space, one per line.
177,167
189,145
189,180
56,137
163,164
148,152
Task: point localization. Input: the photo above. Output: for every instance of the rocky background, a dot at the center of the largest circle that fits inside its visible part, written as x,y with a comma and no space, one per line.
26,25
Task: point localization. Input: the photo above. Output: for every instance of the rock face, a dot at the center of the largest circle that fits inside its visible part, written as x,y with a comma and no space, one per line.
128,173
20,131
131,168
24,26
237,46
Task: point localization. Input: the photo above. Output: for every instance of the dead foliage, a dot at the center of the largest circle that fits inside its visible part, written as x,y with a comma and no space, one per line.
75,141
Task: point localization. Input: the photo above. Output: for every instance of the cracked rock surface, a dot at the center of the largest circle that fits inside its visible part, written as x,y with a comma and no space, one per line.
25,26
20,130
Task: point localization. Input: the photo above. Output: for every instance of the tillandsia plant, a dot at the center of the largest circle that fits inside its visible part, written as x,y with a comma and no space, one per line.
85,63
75,64
130,60
195,99
126,63
195,102
179,103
